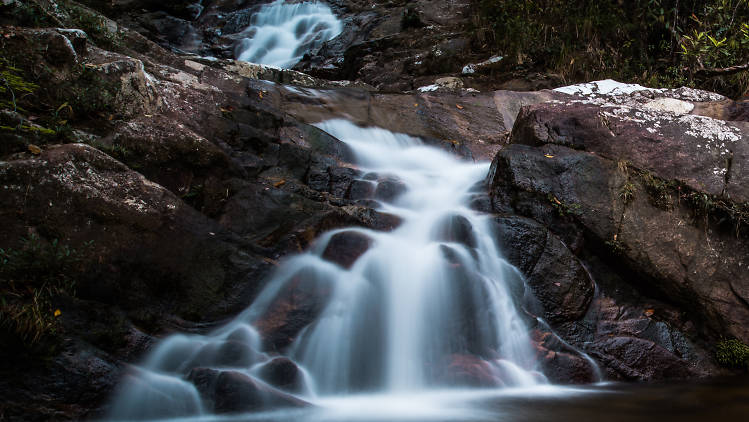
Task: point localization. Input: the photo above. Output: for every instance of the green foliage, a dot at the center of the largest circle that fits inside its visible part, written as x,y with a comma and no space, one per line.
616,247
27,13
660,191
89,94
31,278
562,208
732,354
410,18
627,192
95,26
13,85
647,41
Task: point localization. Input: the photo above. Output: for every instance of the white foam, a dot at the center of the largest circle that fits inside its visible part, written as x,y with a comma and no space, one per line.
281,33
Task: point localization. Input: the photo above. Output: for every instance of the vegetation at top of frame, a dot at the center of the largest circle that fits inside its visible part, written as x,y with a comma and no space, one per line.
654,42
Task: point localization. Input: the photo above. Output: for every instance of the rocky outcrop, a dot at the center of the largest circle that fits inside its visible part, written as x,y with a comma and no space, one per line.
640,192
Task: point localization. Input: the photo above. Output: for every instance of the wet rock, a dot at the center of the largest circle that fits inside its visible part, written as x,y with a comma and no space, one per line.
318,179
522,241
389,189
297,305
341,179
376,220
346,247
234,392
226,354
560,282
456,228
283,373
469,370
361,189
560,363
630,358
558,279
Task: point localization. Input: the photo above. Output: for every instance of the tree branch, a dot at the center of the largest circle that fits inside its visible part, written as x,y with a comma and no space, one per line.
724,71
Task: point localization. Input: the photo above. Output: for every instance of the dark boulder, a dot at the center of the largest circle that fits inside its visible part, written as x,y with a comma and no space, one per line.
630,358
456,228
283,373
346,247
235,392
388,189
561,363
296,306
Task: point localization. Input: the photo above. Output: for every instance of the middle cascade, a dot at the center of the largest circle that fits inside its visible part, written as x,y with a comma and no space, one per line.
429,305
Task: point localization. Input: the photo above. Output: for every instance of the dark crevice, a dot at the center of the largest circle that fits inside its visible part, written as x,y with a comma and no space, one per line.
727,176
738,296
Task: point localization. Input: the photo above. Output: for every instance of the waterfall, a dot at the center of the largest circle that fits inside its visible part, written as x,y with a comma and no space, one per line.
427,306
281,33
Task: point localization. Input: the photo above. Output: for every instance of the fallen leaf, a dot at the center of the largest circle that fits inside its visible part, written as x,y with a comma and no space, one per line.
260,94
649,312
416,104
460,107
57,313
34,149
279,183
270,261
548,156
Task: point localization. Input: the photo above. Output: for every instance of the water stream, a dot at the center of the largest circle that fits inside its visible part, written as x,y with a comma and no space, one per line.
281,33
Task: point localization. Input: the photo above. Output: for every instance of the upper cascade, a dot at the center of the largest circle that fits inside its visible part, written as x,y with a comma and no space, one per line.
281,33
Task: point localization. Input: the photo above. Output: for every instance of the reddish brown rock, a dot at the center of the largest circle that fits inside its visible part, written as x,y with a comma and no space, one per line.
470,370
346,247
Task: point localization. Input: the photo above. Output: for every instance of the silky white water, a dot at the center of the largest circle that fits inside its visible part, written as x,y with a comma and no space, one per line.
425,305
281,33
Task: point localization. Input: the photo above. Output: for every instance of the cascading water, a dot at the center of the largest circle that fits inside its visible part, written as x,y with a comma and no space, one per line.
427,306
281,33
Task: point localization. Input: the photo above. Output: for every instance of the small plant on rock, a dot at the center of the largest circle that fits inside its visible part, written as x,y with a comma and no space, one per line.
732,354
627,192
31,278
